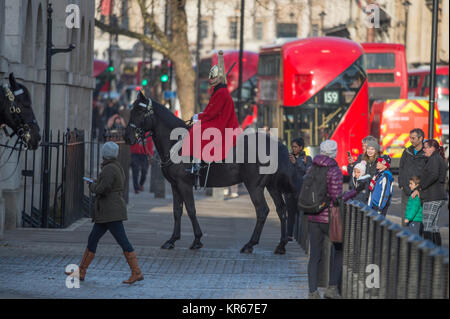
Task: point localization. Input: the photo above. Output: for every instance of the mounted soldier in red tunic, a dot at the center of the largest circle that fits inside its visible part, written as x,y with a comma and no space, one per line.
218,116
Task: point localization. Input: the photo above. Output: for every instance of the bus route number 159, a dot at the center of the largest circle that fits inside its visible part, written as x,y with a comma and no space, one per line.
331,97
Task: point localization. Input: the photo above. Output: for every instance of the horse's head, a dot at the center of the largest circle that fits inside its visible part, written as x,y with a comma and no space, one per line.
17,113
141,120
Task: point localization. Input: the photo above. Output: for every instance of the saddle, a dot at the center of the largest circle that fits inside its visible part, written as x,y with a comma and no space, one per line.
196,169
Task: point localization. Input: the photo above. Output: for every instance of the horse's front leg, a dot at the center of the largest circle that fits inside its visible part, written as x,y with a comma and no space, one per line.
177,212
188,197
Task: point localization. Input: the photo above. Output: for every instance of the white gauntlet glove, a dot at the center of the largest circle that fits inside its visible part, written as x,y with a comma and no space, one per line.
195,118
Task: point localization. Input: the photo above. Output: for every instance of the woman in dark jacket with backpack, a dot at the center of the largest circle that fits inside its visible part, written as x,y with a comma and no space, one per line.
109,213
431,189
318,224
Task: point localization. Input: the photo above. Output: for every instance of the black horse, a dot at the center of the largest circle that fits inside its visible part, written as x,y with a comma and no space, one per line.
150,116
17,113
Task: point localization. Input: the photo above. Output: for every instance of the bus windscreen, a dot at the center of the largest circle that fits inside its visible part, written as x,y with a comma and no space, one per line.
379,61
317,119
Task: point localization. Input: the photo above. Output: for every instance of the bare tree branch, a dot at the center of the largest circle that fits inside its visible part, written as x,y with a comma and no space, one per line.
154,28
146,41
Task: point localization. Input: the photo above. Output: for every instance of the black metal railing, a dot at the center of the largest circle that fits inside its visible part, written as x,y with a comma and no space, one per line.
73,155
381,259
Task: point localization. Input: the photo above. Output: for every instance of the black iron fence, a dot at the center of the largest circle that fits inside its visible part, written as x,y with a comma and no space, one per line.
73,155
381,259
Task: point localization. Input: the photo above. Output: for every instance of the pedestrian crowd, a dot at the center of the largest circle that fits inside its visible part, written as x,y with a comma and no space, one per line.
109,114
422,179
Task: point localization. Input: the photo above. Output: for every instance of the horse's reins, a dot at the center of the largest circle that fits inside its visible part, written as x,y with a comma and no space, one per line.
21,133
24,128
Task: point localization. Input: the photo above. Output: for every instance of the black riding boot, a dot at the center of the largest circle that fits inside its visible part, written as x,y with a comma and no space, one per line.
437,239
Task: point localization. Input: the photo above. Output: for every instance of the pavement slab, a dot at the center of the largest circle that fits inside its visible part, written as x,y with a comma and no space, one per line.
32,261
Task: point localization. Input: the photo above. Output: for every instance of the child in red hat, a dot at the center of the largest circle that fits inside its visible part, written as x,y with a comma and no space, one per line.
381,186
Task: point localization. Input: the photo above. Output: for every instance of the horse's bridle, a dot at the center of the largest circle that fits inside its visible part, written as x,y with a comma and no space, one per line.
140,132
23,131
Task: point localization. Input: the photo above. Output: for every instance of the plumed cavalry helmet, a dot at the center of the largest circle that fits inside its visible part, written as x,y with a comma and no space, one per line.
217,72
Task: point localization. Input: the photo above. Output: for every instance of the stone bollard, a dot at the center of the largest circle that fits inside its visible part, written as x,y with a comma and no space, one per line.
394,229
426,269
385,246
217,193
440,273
414,267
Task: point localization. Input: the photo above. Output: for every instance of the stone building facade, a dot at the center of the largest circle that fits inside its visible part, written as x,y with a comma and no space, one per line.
23,32
267,20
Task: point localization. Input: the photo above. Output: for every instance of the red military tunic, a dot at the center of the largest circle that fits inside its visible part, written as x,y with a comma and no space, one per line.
218,114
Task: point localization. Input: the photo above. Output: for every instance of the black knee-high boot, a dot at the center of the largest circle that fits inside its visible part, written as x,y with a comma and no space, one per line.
437,239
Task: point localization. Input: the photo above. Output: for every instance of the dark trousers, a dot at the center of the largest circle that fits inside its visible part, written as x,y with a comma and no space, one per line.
116,229
317,234
292,212
404,203
415,228
139,165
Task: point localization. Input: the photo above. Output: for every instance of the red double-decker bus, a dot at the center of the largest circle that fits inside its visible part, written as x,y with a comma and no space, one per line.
315,88
419,82
249,84
387,71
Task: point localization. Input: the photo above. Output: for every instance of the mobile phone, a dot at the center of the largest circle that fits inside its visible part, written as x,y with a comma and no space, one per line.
87,179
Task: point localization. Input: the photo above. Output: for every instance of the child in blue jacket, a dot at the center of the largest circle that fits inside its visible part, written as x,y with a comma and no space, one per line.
381,186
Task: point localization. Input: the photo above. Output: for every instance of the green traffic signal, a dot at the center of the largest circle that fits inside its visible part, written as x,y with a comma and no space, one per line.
144,82
110,69
164,78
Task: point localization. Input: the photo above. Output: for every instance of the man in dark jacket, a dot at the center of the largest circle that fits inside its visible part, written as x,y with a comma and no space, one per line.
301,163
412,163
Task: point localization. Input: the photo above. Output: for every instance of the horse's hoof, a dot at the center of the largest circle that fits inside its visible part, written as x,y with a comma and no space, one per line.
196,245
168,245
246,250
280,250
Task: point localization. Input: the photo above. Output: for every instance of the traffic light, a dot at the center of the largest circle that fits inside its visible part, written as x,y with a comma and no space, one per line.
145,76
110,68
164,71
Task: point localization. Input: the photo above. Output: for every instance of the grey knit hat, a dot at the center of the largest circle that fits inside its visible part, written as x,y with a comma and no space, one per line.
328,148
110,150
374,144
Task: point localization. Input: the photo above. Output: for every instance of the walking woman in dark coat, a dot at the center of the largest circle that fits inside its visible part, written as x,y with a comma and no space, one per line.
109,213
431,189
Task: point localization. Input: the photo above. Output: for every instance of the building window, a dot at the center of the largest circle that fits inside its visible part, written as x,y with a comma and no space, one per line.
233,29
125,19
286,30
203,29
259,30
315,30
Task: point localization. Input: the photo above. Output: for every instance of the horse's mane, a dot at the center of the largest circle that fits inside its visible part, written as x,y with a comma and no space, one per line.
167,117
